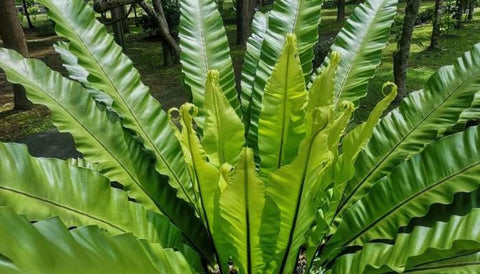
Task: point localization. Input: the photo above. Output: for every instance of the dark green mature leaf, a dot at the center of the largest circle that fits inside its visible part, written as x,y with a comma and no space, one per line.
110,71
360,44
251,59
406,130
101,138
444,168
415,250
49,247
296,17
205,47
44,188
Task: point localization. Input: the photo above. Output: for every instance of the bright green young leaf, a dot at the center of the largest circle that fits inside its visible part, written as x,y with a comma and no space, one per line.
297,17
352,144
241,205
223,136
204,174
293,186
281,125
322,91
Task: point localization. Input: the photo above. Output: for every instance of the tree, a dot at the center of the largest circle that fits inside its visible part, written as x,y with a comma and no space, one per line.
156,13
118,26
436,24
340,10
13,37
471,10
400,57
27,14
461,6
299,193
125,14
245,11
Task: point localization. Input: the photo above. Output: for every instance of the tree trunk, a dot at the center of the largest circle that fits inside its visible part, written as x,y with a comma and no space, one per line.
25,10
459,13
245,11
118,31
436,24
471,9
13,38
135,14
159,16
126,27
341,11
400,57
104,5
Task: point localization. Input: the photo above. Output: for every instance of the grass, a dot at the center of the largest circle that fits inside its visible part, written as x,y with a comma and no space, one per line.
166,82
422,62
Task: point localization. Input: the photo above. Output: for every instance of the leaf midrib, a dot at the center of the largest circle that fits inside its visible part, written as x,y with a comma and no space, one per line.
350,67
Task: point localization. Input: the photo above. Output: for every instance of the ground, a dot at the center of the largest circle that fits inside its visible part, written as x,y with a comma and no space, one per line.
166,82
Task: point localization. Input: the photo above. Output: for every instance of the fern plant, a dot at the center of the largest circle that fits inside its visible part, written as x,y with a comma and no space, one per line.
271,182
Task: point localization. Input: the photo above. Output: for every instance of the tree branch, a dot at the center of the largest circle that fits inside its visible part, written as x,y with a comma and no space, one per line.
105,5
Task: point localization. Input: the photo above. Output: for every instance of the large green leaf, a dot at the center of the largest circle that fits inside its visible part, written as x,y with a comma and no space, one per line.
241,206
44,188
251,59
296,17
406,130
293,188
101,138
360,44
49,247
205,47
223,137
423,246
112,72
281,125
444,168
462,204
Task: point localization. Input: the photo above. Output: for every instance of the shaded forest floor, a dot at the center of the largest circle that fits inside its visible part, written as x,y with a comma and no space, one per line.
166,82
